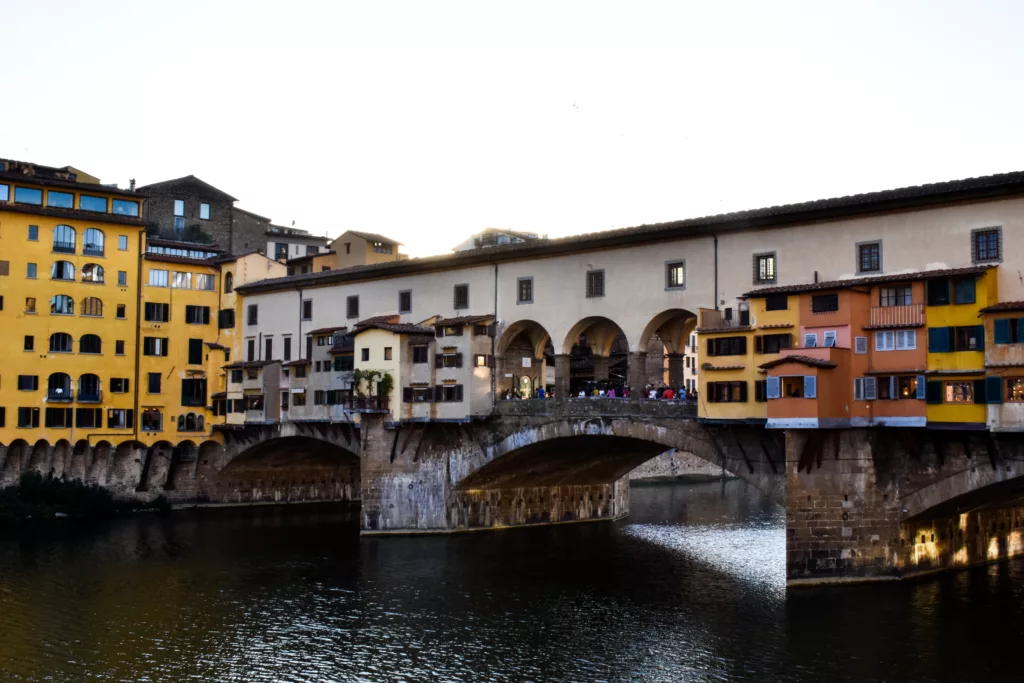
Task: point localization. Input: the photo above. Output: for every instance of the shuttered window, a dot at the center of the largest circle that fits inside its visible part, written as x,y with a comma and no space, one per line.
595,283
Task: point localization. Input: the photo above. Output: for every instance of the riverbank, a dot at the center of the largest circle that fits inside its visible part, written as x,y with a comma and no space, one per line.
676,466
37,498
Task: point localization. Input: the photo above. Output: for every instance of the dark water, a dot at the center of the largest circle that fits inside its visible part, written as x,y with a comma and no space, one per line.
690,588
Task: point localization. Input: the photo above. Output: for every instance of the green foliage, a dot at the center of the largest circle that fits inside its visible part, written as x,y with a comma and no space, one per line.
385,384
37,497
378,382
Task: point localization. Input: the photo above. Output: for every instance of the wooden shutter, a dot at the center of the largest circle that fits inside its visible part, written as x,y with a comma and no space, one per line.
458,360
163,346
979,391
758,344
490,362
920,387
438,394
772,387
979,334
438,330
439,360
994,389
458,392
933,392
743,392
1001,331
407,395
858,389
870,389
810,386
938,339
711,347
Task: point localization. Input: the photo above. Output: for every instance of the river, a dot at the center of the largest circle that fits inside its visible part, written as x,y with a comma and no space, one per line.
689,588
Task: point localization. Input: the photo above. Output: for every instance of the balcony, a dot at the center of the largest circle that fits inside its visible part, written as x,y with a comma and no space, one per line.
90,396
711,319
64,247
60,396
910,315
92,250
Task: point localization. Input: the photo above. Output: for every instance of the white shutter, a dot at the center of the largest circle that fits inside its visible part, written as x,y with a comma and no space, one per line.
810,386
870,389
810,340
860,344
858,389
772,387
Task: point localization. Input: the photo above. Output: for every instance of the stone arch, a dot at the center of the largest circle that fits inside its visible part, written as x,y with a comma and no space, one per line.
61,459
98,466
79,457
665,336
672,327
14,463
125,470
521,340
39,457
600,332
179,473
155,467
597,349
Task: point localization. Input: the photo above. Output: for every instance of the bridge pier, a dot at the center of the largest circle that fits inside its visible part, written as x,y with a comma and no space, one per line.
563,372
637,371
675,370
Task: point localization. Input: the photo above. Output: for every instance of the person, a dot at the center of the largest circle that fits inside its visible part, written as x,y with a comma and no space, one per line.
582,395
652,393
540,392
611,393
601,393
668,394
625,393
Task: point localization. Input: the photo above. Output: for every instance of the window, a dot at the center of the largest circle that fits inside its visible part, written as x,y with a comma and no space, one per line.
480,361
197,315
794,387
252,314
89,388
986,245
119,347
62,270
287,348
524,290
727,346
810,340
33,233
907,387
959,392
726,392
885,387
894,296
1008,330
938,292
307,309
30,271
250,350
860,344
906,340
226,319
62,304
195,351
365,355
885,340
675,274
299,399
205,282
156,313
300,370
60,342
229,283
825,303
59,418
90,203
30,304
181,280
969,338
963,290
28,195
90,343
268,348
204,211
30,341
595,283
179,207
28,417
869,257
154,346
193,392
92,306
352,307
460,296
405,301
387,353
121,311
60,200
481,330
93,242
58,387
92,272
312,249
770,343
153,383
28,382
152,420
88,418
419,353
118,418
896,340
122,242
157,278
1014,389
5,190
776,302
764,268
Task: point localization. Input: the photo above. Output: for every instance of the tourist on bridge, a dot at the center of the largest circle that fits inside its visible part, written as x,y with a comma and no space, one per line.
668,394
540,392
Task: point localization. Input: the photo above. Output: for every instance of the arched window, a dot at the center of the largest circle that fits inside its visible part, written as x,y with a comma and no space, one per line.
199,423
229,283
90,343
92,272
62,304
89,388
181,423
60,342
58,387
92,306
64,239
62,270
190,422
92,242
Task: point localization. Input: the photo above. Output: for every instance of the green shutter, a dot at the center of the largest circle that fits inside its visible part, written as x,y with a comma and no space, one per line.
993,389
933,392
979,332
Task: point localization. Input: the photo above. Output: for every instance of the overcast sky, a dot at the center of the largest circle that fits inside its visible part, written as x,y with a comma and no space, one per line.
427,121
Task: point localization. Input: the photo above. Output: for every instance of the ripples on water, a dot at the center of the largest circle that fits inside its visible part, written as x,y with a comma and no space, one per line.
690,588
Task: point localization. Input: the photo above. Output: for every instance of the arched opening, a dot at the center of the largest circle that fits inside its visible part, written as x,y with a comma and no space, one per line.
92,272
598,352
90,343
60,342
155,466
58,387
97,467
64,237
89,388
62,304
17,458
61,460
62,270
525,360
182,454
229,283
79,460
39,457
668,350
92,242
92,306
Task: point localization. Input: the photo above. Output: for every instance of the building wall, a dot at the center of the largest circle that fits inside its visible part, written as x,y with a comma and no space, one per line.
248,232
352,250
159,213
399,366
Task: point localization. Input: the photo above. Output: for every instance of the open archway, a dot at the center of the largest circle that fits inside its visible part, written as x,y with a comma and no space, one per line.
524,357
664,347
597,352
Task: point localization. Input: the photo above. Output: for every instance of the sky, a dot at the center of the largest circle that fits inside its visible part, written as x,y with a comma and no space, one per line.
428,121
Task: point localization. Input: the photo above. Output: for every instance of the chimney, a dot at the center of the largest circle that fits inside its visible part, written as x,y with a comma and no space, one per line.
131,184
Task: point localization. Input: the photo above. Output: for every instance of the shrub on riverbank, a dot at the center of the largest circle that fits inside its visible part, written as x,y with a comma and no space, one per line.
37,497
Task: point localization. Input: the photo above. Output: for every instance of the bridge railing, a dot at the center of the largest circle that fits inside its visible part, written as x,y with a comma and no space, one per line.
598,407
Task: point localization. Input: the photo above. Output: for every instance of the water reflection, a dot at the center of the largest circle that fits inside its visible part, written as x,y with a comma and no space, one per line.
690,588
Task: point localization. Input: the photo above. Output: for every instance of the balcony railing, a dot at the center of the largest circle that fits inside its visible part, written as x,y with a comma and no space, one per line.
897,316
709,318
60,395
93,250
64,247
90,396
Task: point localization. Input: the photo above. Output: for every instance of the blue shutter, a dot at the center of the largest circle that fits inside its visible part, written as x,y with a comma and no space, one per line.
933,394
979,332
920,387
1020,330
870,389
772,387
994,389
810,386
1001,331
938,339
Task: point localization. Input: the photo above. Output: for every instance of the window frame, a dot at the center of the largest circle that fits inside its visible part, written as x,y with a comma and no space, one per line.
860,247
591,289
670,268
528,281
460,303
402,294
767,256
977,233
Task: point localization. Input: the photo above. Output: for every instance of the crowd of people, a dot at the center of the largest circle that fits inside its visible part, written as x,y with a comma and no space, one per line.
652,392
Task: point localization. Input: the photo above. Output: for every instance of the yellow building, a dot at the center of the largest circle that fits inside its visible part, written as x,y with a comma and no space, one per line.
352,248
956,387
69,271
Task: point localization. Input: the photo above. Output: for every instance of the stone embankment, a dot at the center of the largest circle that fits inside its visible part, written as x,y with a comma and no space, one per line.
676,465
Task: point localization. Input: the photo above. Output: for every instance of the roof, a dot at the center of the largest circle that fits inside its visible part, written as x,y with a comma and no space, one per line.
170,258
215,345
725,329
250,213
297,361
328,330
708,367
308,257
901,199
390,318
860,281
775,326
19,176
395,328
374,237
802,360
463,320
913,371
243,365
1004,306
187,180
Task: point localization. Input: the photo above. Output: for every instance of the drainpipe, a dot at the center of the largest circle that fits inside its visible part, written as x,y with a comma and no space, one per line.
716,272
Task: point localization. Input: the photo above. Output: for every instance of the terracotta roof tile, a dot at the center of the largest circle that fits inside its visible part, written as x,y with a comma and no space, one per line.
802,360
396,328
1004,306
860,281
462,320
